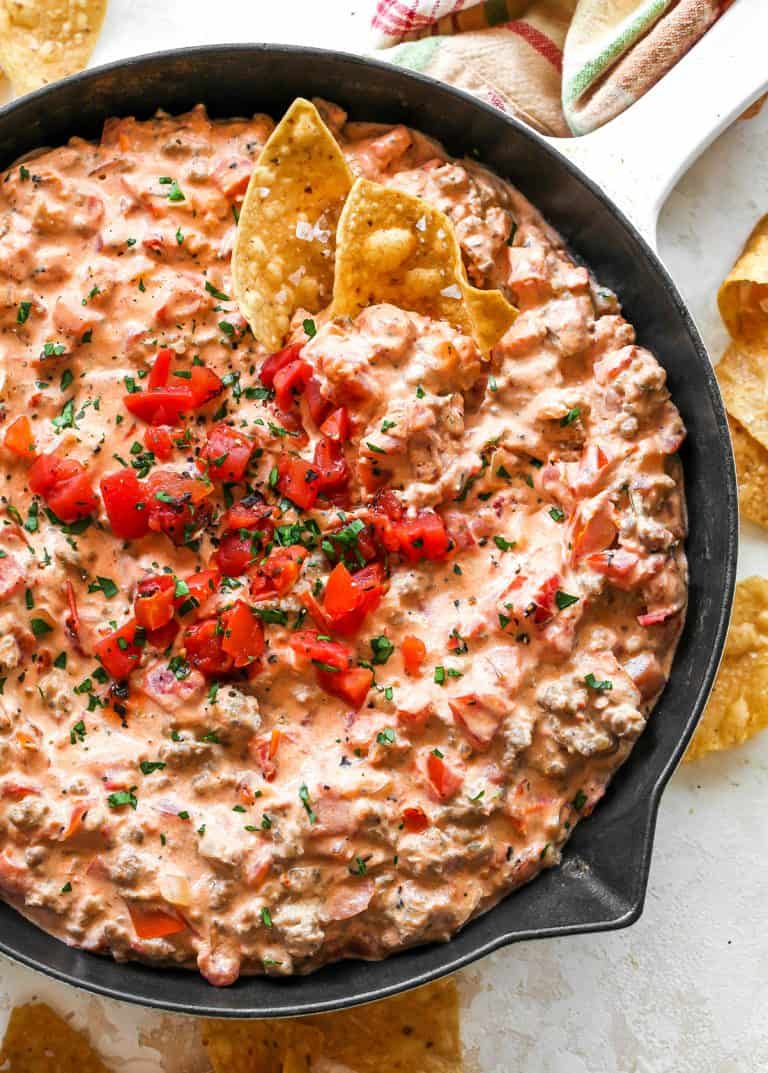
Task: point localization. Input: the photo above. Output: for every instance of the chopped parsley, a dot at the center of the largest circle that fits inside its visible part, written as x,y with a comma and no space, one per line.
77,733
123,797
564,599
386,736
105,585
310,328
579,801
148,766
358,867
439,675
266,917
382,649
222,297
503,544
304,798
22,313
556,514
40,627
598,686
570,417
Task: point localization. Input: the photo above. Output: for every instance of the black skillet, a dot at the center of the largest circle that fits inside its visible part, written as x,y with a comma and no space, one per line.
602,880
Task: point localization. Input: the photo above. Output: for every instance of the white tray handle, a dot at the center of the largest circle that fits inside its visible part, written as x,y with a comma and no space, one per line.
638,156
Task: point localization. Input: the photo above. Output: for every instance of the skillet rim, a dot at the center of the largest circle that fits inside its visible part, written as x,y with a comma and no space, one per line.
106,977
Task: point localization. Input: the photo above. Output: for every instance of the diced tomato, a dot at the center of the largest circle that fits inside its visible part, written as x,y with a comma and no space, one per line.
423,536
161,369
72,620
277,361
202,587
161,405
154,603
235,554
203,644
319,406
414,654
316,611
289,382
227,453
330,465
19,439
163,635
544,599
159,441
256,866
175,504
444,781
351,686
349,899
250,513
337,425
204,385
349,597
415,820
388,504
616,564
119,652
298,481
125,501
75,820
282,567
306,643
154,923
243,634
261,750
595,531
65,485
18,790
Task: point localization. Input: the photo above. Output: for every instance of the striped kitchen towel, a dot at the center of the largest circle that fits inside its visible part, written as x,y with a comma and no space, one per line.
563,66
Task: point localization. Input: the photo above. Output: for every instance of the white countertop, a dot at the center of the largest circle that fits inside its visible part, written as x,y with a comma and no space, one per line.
684,990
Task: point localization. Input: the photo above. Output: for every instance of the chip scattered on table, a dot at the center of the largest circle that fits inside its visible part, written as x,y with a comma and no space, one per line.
743,378
284,250
752,472
738,706
417,1032
394,247
38,1040
743,295
44,40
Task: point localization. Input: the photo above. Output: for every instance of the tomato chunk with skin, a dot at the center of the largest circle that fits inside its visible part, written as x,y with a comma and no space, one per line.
422,536
204,384
307,644
19,439
202,586
154,923
352,686
161,368
330,465
277,361
119,653
348,598
227,453
243,637
250,513
337,425
160,406
154,603
281,569
125,501
298,481
319,406
65,485
159,441
203,645
414,654
176,504
415,820
236,553
443,780
289,382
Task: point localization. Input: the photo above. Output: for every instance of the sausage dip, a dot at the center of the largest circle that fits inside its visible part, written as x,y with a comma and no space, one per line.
315,654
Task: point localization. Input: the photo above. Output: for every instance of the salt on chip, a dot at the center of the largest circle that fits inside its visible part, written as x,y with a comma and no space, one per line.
743,379
44,40
417,1032
37,1040
394,247
743,295
752,472
261,1046
738,706
283,256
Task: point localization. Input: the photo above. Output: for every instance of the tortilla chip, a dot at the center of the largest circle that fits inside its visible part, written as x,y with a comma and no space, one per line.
743,379
261,1046
283,256
738,706
752,473
413,1033
743,296
394,247
37,1040
44,40
417,1032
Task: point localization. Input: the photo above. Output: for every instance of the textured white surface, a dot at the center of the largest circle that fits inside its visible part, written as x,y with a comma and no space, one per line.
685,989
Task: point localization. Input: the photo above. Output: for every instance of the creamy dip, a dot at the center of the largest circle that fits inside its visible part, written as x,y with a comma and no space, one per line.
320,654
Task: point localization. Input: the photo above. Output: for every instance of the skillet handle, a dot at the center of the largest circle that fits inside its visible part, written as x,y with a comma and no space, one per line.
637,157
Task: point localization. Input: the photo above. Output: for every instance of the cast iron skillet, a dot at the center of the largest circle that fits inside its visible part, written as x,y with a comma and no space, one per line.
602,880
